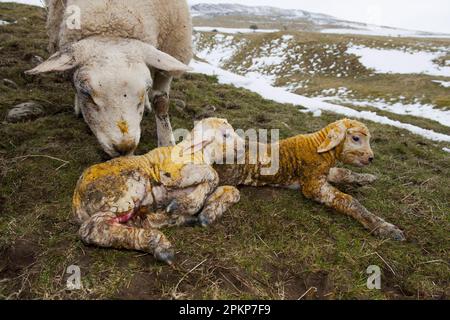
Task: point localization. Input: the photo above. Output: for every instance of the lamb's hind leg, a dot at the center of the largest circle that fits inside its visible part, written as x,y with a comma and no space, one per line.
320,190
160,102
162,219
106,230
217,203
339,175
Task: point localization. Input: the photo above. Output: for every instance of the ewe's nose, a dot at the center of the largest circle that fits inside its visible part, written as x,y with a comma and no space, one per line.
125,148
371,159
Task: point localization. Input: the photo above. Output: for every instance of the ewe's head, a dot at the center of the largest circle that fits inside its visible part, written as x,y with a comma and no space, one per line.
352,140
112,81
217,140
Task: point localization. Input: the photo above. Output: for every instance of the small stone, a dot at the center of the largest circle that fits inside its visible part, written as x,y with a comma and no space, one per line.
179,103
208,111
25,112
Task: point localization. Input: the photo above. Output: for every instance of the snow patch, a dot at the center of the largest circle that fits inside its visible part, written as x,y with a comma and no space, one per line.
425,111
445,84
221,51
373,30
312,105
398,61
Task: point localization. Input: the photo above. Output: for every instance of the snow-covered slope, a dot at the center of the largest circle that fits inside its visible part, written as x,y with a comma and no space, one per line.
296,19
281,67
314,105
228,9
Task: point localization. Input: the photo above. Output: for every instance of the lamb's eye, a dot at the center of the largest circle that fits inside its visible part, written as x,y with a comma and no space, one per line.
356,139
227,135
85,92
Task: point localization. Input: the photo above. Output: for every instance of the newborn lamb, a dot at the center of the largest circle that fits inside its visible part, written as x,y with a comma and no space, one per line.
124,202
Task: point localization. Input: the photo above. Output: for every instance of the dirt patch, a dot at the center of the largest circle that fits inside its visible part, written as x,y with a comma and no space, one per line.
294,284
16,258
16,261
143,286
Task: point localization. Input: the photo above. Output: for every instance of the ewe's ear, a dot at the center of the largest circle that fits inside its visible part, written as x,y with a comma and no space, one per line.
162,61
60,61
334,138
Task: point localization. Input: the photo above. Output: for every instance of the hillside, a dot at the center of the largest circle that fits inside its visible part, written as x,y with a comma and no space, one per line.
274,245
404,80
241,16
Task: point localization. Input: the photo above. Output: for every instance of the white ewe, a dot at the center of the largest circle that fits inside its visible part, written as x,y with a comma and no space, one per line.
120,52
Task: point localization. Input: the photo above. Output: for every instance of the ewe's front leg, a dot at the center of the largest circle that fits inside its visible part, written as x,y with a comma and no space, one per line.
160,101
339,175
321,191
106,230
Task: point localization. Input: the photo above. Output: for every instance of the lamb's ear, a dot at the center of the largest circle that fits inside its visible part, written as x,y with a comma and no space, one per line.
334,138
60,61
162,61
197,146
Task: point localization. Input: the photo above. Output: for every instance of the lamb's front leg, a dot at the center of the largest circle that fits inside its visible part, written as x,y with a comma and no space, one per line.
108,231
217,203
339,175
189,191
320,190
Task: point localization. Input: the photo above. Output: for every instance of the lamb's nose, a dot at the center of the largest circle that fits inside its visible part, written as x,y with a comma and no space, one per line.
125,148
371,159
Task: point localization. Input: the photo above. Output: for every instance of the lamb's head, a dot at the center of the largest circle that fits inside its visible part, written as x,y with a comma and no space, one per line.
352,140
112,79
217,140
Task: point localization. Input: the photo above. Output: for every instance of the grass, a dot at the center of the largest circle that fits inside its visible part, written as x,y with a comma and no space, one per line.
274,244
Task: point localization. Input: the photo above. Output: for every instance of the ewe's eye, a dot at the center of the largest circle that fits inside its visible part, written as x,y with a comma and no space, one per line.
227,135
356,139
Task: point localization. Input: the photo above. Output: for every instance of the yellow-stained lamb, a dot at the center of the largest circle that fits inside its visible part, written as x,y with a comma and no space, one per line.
124,202
308,162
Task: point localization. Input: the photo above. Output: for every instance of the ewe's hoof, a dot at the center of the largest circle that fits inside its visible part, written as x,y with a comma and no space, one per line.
165,255
390,231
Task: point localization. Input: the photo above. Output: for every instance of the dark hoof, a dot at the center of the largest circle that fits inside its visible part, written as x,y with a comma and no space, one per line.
165,255
204,221
390,231
191,221
172,207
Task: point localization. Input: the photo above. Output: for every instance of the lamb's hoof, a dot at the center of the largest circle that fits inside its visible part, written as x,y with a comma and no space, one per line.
204,221
172,207
367,179
191,221
389,231
165,255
